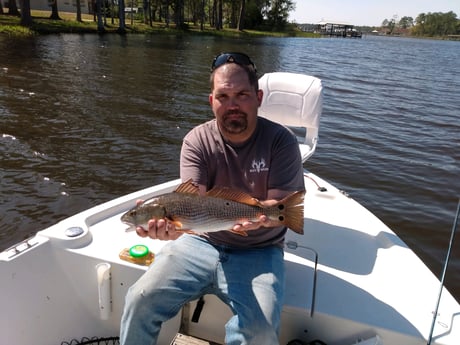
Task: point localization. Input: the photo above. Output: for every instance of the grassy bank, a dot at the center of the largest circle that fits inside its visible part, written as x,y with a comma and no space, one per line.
9,25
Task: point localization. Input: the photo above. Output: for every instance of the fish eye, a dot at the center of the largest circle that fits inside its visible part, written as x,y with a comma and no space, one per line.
133,213
281,218
281,207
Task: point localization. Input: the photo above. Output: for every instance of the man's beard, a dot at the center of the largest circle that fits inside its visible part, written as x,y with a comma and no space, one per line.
234,125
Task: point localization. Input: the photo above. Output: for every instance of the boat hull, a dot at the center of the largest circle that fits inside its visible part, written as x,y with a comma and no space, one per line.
349,279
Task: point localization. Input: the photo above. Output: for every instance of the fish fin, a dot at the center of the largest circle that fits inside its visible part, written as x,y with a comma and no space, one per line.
190,232
177,224
292,211
233,195
241,232
187,187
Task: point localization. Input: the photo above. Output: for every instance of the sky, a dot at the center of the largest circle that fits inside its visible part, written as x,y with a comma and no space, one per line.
367,12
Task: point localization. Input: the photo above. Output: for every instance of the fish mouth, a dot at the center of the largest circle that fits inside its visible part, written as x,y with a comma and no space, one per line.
131,226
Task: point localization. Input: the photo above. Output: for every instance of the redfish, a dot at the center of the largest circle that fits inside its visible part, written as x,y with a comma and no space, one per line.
219,209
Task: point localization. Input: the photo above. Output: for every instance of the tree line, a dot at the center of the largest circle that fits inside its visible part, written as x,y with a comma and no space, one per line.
426,24
238,14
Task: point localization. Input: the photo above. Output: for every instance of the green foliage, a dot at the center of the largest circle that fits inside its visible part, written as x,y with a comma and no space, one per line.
14,30
271,14
276,13
436,24
41,24
253,18
425,25
406,22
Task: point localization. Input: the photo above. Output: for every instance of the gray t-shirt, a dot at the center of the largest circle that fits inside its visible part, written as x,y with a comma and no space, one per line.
270,159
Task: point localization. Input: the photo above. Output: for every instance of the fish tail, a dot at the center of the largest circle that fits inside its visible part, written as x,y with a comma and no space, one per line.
292,211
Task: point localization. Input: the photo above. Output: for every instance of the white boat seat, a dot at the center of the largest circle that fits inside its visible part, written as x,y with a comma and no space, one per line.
295,100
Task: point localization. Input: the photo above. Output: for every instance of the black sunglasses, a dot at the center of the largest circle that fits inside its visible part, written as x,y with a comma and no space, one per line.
238,58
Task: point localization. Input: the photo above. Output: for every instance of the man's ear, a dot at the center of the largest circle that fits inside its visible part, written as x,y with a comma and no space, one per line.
260,96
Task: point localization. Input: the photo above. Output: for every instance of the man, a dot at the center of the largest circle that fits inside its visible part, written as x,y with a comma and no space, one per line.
241,151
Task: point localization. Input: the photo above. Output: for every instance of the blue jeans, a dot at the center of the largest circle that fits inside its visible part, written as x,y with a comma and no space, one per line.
250,281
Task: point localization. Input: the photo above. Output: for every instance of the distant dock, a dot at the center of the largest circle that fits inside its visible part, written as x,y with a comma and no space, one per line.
337,29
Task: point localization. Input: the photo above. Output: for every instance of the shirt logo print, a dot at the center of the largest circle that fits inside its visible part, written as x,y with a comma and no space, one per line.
258,166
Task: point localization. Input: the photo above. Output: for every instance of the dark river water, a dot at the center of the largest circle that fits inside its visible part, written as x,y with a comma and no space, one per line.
84,119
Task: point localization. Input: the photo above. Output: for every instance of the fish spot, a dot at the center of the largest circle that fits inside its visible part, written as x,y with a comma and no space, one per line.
281,218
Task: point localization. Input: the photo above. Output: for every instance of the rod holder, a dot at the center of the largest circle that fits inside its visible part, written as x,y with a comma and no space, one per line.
104,279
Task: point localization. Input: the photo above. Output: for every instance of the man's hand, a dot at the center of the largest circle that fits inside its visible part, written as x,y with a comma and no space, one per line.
263,220
160,229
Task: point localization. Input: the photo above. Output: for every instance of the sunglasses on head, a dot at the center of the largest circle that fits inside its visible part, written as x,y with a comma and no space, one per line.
238,58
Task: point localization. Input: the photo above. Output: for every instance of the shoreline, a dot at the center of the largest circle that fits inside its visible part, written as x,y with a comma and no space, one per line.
42,25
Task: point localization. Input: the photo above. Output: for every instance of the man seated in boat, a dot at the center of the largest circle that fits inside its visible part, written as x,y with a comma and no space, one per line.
240,151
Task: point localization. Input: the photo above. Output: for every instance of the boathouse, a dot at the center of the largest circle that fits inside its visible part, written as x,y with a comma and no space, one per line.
337,29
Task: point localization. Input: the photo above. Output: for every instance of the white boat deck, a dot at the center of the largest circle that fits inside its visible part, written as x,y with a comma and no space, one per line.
350,279
367,282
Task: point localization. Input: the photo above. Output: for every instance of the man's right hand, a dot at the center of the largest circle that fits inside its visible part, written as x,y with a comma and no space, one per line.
160,229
